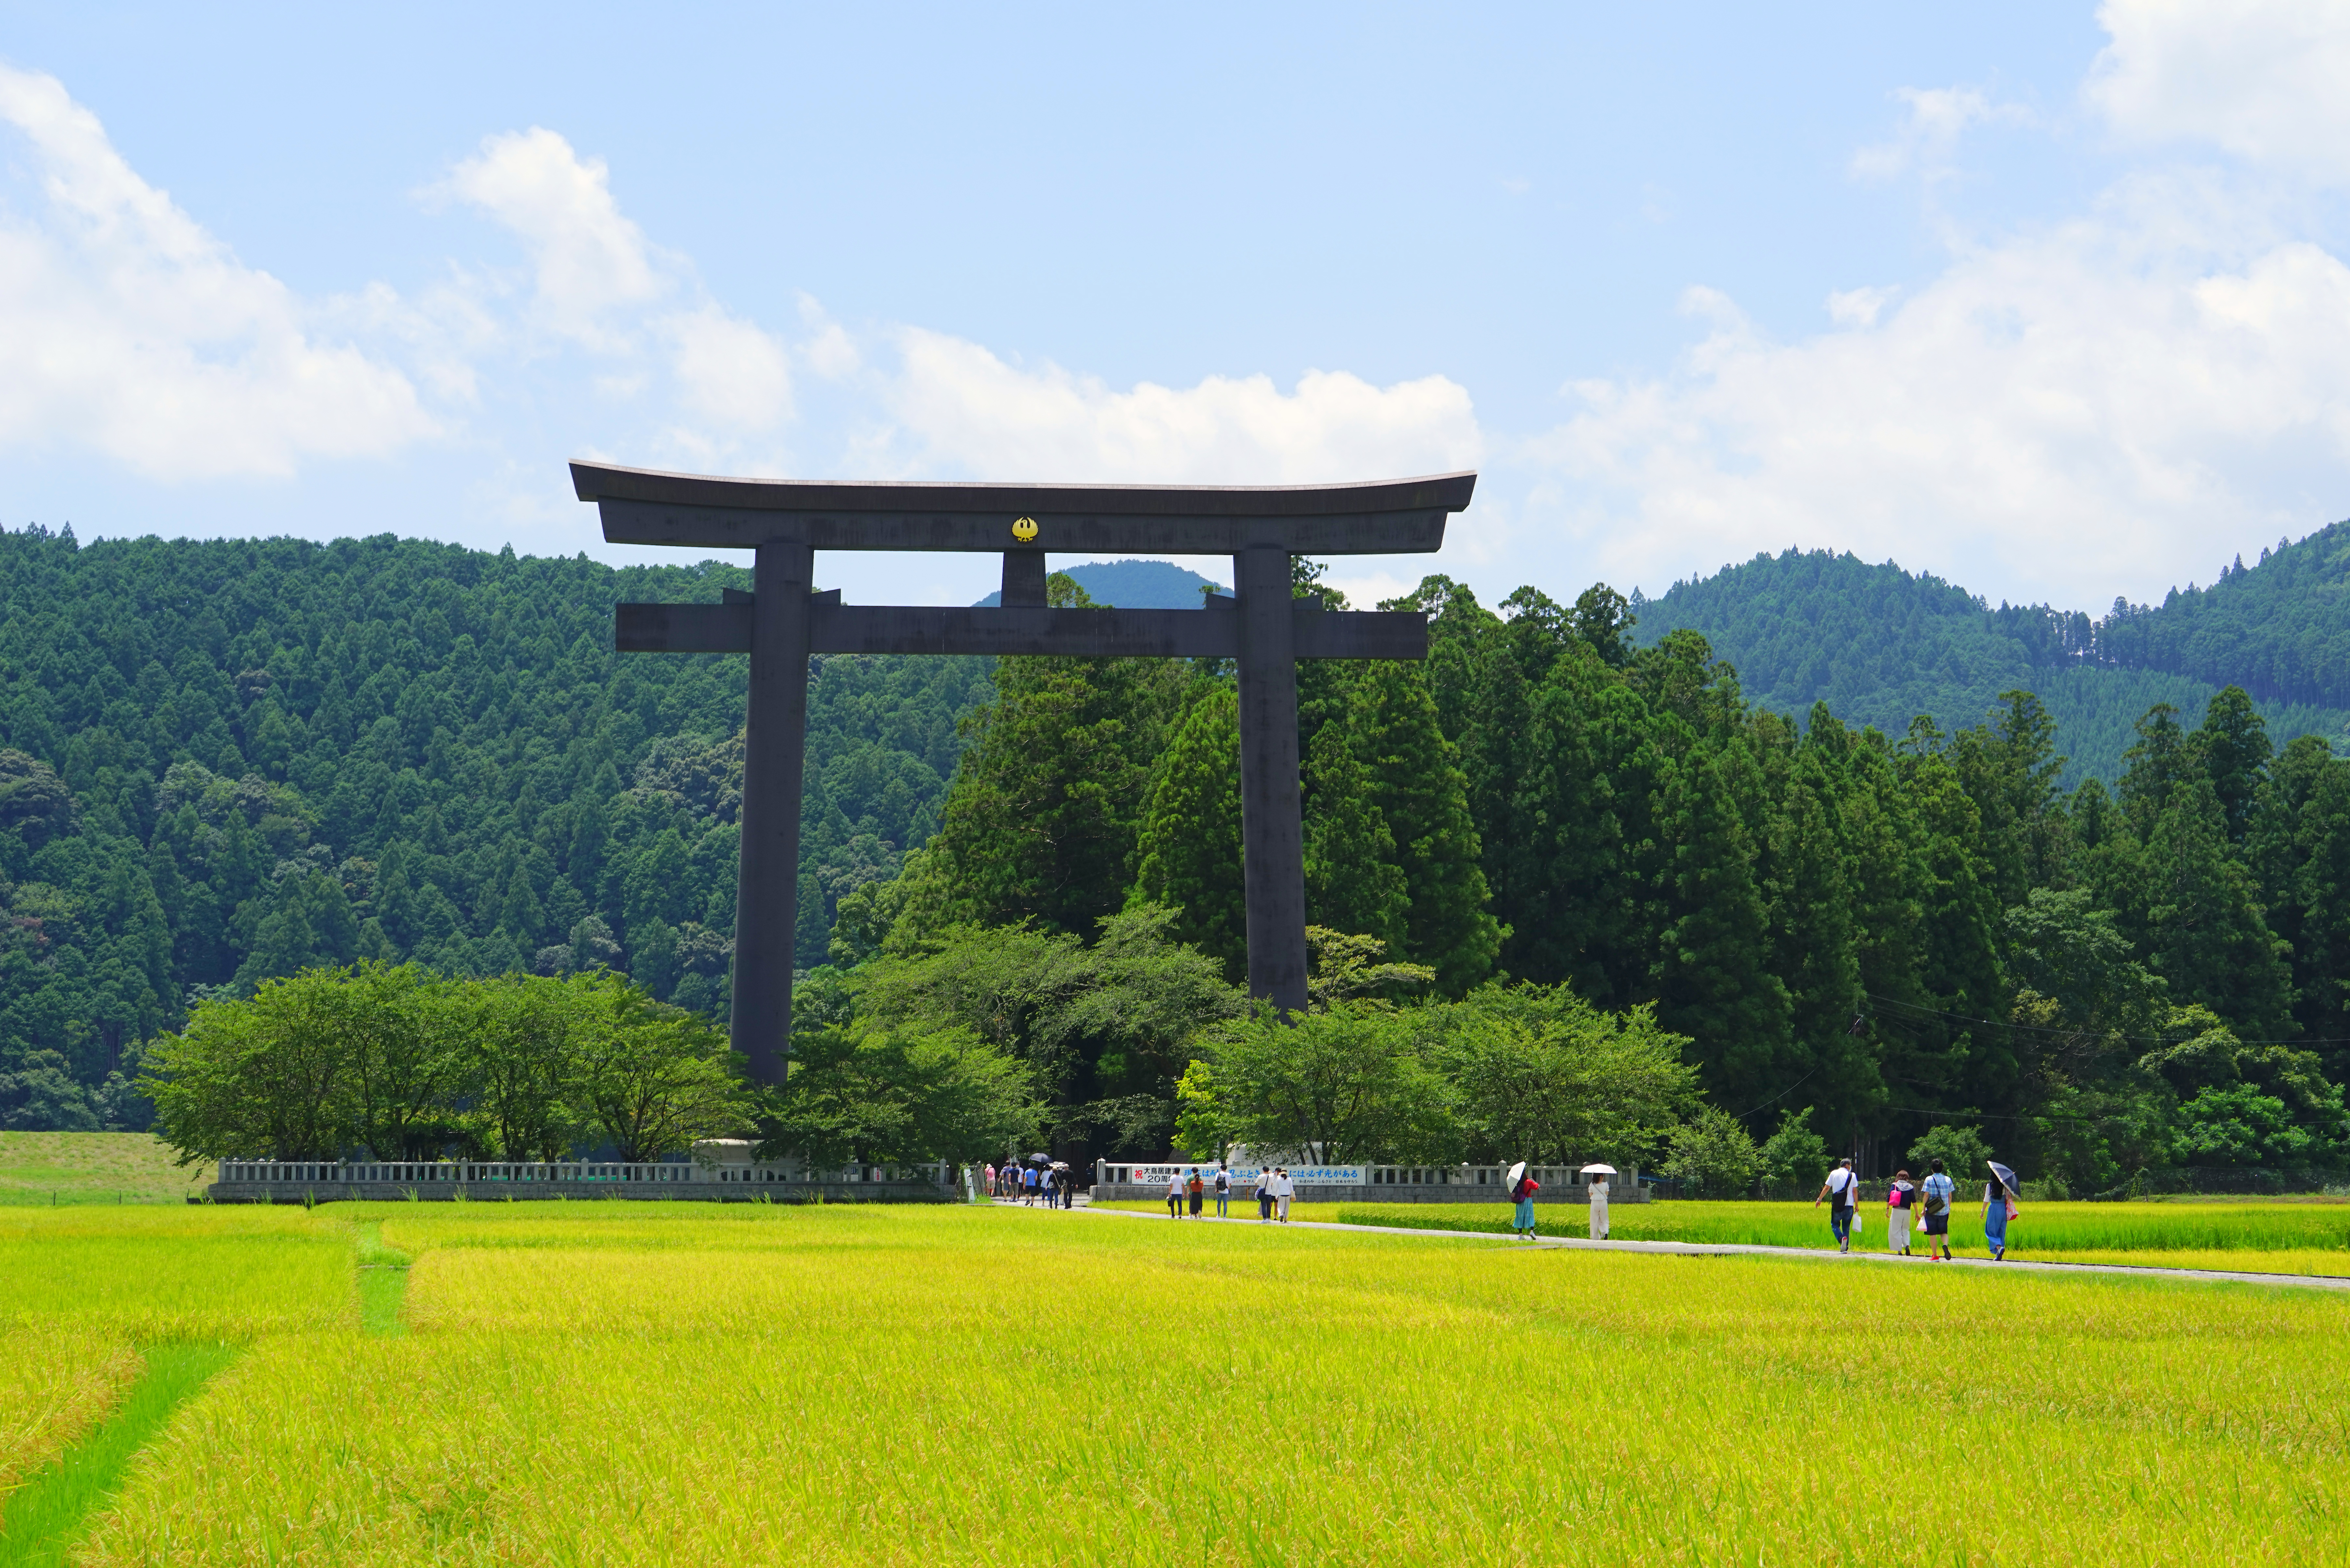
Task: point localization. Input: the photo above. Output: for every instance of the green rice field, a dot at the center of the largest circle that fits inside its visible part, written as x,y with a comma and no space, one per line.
618,1384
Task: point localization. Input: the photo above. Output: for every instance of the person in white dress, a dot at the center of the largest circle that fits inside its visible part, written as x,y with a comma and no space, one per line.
1599,1208
1284,1188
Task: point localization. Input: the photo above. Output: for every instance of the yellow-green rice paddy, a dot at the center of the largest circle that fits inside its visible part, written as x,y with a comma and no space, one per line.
656,1383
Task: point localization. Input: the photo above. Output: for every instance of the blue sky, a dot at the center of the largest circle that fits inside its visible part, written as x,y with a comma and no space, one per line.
2047,300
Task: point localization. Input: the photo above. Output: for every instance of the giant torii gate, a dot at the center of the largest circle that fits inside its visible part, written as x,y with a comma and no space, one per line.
1264,628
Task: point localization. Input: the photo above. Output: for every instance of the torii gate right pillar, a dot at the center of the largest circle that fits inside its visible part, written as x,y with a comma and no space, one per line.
1273,841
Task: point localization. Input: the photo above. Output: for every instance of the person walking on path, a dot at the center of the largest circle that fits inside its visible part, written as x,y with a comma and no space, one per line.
1263,1186
1938,1193
1999,1208
1196,1188
987,1178
1028,1187
1223,1189
1282,1190
1843,1188
1900,1200
1523,1195
1174,1195
1597,1193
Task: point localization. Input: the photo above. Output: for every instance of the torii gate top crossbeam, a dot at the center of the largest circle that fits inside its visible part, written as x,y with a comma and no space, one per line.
1397,517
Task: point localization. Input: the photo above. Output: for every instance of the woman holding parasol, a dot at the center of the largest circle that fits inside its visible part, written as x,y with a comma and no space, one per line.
1999,1208
1522,1188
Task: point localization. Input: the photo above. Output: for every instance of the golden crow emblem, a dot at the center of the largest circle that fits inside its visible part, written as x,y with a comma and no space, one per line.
1025,529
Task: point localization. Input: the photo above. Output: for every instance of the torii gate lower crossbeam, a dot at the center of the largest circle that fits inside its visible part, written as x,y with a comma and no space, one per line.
1264,630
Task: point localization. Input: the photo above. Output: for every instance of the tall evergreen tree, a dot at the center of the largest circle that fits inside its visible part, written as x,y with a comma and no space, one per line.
1047,808
2196,911
1714,955
2234,744
1190,847
1814,955
1421,793
1354,882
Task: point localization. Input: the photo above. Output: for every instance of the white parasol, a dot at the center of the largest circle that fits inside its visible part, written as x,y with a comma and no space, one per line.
1599,1171
1517,1173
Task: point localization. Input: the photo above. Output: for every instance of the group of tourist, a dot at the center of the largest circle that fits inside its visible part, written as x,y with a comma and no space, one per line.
1190,1189
1522,1199
1053,1186
1932,1201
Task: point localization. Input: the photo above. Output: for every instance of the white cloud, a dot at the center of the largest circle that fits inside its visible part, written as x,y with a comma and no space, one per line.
588,260
730,371
1930,132
829,351
126,328
2262,79
1858,307
972,412
2101,404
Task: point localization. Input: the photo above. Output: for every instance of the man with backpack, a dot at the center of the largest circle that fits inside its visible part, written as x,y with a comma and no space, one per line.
1938,1192
1843,1187
1224,1188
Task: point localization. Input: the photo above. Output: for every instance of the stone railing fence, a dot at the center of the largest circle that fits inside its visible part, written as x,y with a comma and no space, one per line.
297,1180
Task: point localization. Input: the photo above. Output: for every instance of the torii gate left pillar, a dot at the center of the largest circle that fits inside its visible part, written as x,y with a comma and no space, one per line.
784,621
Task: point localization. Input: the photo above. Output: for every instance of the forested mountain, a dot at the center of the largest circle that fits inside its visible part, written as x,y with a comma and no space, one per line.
1137,585
1881,645
224,761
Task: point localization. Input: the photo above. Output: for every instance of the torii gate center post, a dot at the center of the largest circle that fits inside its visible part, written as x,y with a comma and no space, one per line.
1262,627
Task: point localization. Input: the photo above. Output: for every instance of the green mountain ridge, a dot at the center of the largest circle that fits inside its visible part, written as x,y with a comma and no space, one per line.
222,761
1135,585
1881,645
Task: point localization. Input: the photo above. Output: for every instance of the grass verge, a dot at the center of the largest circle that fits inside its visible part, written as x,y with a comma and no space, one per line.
47,1169
48,1515
2259,1237
383,1283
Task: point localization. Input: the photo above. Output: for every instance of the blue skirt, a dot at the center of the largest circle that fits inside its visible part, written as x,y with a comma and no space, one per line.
1995,1227
1525,1220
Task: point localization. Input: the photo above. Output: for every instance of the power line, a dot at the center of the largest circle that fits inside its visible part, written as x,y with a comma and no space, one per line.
1780,1096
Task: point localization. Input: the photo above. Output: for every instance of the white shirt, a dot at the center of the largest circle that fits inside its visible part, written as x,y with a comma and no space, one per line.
1175,1184
1283,1187
1841,1182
